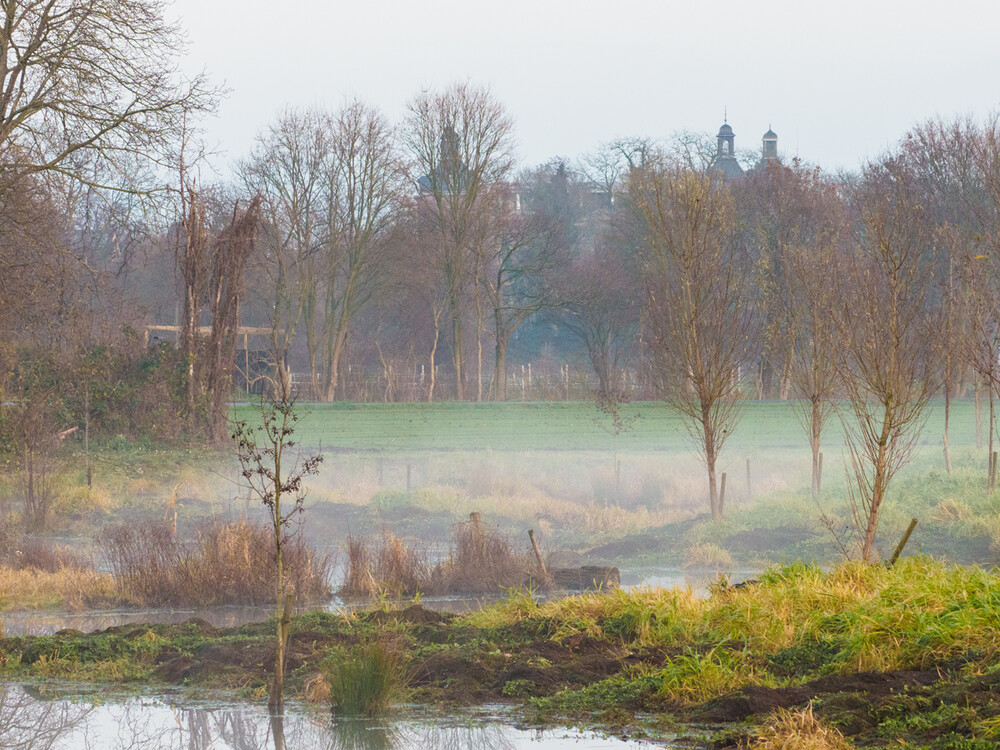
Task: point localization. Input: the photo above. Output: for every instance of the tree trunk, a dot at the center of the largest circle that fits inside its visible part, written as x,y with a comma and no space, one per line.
710,458
879,485
456,341
500,368
814,443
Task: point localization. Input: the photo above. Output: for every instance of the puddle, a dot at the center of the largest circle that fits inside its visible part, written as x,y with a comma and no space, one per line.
59,717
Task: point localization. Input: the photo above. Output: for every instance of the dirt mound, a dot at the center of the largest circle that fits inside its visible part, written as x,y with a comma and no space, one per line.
414,614
768,540
754,699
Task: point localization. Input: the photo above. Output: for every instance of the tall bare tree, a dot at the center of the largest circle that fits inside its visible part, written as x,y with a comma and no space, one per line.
90,78
460,140
698,318
364,192
289,168
886,368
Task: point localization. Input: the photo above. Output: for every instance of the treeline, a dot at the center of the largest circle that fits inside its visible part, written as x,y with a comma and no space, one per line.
371,260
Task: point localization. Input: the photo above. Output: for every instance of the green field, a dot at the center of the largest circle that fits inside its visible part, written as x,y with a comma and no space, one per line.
574,426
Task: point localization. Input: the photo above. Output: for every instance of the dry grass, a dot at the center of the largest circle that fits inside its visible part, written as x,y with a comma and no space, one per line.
226,563
69,589
708,556
949,510
482,560
385,564
799,730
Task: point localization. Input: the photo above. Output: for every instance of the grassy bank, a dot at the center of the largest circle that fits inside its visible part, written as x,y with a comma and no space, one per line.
886,657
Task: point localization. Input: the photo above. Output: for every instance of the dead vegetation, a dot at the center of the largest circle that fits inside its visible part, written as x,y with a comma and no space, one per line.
226,563
482,560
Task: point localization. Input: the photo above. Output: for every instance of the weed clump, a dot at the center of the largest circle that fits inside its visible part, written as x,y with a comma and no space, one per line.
799,730
482,560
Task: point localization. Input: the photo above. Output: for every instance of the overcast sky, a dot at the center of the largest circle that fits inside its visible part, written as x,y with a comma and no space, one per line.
839,81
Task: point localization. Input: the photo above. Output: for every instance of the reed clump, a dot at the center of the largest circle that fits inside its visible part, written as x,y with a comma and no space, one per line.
481,560
366,681
225,563
384,564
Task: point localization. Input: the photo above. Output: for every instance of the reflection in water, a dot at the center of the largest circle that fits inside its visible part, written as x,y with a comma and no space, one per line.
29,724
32,721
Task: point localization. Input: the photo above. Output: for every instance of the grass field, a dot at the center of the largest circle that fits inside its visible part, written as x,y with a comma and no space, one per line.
569,426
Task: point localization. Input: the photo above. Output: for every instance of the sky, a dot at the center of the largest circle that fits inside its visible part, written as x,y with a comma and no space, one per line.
839,81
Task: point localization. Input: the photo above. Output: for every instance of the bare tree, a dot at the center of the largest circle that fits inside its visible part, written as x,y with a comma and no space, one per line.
528,247
364,193
697,316
460,140
90,79
290,168
886,368
797,221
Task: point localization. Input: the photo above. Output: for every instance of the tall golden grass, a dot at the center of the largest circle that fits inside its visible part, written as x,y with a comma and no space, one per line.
226,563
69,588
482,560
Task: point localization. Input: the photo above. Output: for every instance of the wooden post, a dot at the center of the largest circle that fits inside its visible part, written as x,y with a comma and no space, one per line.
408,470
722,493
947,456
538,553
246,360
749,485
993,472
902,542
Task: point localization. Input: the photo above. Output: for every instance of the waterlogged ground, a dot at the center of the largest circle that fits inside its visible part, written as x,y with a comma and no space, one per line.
47,623
59,717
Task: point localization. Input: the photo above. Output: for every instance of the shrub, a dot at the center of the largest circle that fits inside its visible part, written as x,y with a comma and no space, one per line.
483,560
226,563
386,564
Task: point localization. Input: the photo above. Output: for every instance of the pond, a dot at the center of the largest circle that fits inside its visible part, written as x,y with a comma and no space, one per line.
60,717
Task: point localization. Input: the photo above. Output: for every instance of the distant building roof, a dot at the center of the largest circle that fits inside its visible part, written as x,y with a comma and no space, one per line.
729,167
770,135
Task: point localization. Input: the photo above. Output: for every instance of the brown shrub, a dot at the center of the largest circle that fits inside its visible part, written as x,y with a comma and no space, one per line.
385,564
226,563
21,552
482,560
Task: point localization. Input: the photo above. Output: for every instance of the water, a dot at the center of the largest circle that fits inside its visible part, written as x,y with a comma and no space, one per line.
47,623
59,717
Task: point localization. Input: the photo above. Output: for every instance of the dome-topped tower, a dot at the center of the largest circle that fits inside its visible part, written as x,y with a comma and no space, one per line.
725,156
770,141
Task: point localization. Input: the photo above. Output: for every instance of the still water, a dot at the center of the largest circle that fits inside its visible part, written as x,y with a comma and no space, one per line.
49,717
47,623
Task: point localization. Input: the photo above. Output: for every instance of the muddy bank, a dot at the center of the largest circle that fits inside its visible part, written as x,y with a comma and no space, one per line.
848,645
